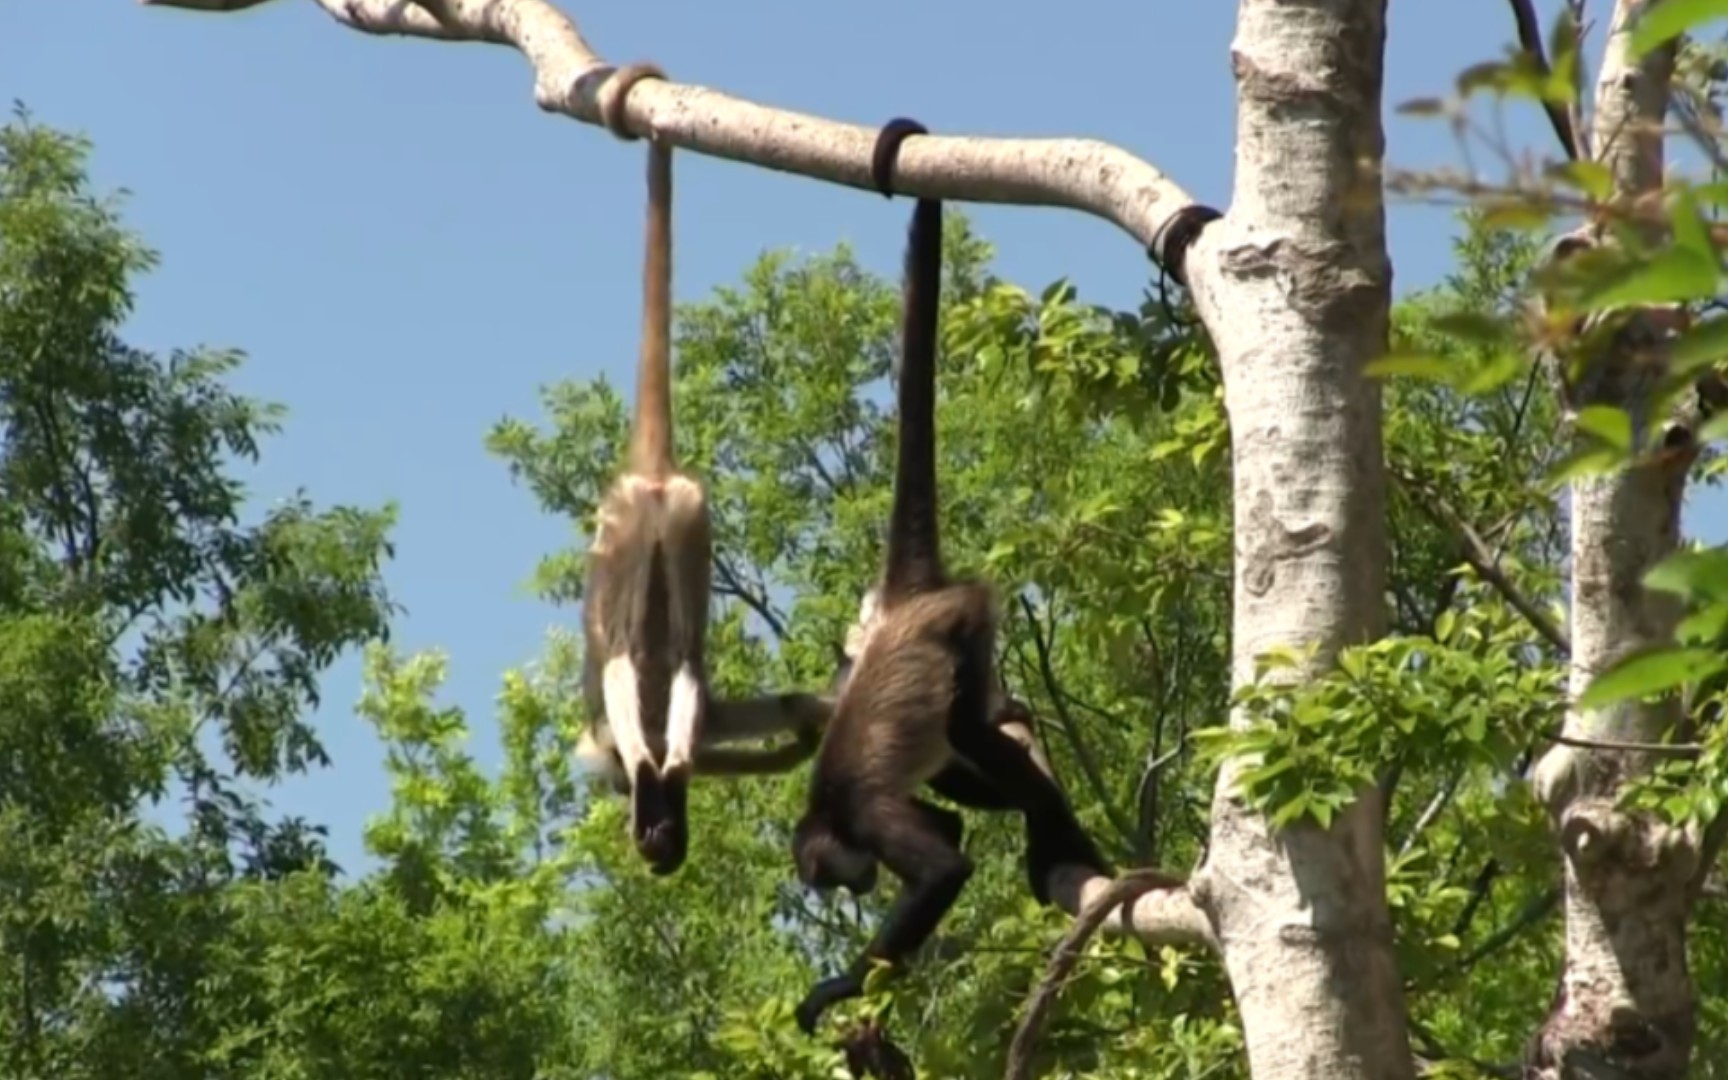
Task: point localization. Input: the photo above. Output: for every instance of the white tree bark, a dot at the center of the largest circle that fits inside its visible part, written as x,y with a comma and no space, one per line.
1625,1005
1294,285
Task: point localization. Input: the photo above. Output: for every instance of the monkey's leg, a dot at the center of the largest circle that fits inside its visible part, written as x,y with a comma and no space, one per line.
652,827
949,825
861,877
1053,835
683,719
965,785
933,872
683,728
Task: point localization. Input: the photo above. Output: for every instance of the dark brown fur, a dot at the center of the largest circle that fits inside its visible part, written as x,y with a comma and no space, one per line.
919,703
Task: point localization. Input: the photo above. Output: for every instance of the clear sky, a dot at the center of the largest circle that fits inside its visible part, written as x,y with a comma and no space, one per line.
408,248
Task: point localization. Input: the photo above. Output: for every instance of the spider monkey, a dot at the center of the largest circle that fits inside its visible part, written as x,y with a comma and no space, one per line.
645,615
1059,838
919,703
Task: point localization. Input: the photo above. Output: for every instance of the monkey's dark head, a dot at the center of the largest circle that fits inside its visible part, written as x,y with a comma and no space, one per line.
659,817
825,862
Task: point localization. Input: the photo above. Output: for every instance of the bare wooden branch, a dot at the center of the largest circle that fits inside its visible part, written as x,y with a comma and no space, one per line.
1118,893
1165,916
1088,175
1058,698
1627,746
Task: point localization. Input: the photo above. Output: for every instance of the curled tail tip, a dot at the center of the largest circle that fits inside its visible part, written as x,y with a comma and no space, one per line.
887,152
616,92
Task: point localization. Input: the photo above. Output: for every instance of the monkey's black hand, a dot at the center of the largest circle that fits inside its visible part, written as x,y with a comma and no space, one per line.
829,991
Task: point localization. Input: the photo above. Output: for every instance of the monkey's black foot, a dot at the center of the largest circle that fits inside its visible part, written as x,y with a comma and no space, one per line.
830,991
869,1052
660,819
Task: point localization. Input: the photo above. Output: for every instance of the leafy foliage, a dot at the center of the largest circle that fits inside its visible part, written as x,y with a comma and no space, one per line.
153,642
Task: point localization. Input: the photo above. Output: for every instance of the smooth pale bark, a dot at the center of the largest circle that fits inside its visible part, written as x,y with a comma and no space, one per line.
1295,287
1625,1005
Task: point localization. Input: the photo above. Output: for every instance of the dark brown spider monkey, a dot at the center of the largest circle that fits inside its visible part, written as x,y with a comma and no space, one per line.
919,704
645,612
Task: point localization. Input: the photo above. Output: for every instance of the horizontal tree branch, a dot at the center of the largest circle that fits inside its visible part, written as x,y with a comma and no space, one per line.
1626,745
1166,916
1080,174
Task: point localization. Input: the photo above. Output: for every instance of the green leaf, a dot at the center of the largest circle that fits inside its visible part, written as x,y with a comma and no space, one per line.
1613,426
1705,626
1703,344
1673,275
1690,232
1493,374
1691,573
1652,672
1662,22
1473,326
1436,368
1519,215
1591,461
1714,428
1590,177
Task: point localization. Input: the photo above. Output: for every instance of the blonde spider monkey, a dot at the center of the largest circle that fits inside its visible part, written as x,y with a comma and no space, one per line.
645,608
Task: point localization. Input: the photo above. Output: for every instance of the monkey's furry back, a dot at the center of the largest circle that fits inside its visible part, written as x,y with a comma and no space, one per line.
649,577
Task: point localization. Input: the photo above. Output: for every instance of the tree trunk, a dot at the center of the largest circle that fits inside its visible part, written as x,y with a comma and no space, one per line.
1625,1005
1295,287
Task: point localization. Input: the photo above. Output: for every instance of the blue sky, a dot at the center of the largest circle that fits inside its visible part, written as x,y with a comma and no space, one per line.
408,248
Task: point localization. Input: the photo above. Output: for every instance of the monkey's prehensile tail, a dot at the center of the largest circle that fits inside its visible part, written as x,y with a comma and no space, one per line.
914,548
651,441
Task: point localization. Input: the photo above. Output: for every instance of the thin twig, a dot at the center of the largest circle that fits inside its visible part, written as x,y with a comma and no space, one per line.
1124,890
1662,749
1530,40
1481,558
731,584
1429,814
1485,878
1534,912
1082,752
